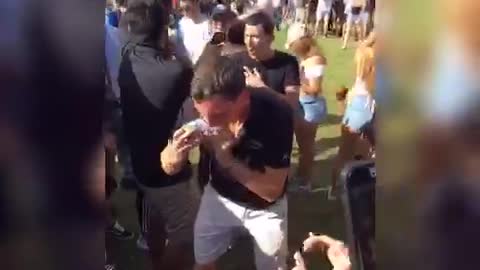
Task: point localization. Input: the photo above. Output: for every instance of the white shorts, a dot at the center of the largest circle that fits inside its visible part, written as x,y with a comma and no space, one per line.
219,220
322,14
360,18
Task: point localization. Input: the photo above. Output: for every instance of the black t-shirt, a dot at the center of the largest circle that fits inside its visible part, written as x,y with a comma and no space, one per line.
259,147
152,93
278,72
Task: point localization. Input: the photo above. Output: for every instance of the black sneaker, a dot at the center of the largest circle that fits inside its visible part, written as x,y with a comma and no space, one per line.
117,231
109,267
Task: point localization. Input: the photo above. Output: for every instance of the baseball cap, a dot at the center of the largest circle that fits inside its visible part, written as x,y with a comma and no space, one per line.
295,32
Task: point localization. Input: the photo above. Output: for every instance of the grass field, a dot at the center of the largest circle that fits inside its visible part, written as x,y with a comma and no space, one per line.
311,212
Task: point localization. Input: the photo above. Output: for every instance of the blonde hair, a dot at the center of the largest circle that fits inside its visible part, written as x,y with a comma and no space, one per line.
365,67
306,47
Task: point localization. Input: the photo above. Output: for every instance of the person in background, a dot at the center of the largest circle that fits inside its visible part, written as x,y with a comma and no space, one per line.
193,32
359,112
248,166
115,39
355,18
153,88
277,13
220,25
219,6
313,103
221,20
114,11
234,29
264,6
324,8
300,11
235,42
265,66
368,17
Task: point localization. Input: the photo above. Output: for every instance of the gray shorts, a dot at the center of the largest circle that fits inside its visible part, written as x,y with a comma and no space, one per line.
173,207
219,219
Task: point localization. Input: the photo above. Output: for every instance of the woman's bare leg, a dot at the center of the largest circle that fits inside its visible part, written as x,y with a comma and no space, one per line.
346,153
346,36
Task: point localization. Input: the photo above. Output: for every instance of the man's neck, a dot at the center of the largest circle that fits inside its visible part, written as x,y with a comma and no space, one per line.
235,125
268,55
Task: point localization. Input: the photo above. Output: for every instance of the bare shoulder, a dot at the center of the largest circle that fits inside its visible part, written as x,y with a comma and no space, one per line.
315,60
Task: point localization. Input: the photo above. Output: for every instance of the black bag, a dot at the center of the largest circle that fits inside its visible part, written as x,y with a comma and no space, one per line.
358,180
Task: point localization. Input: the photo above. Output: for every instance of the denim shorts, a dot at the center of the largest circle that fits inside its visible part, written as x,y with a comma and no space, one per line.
357,113
314,109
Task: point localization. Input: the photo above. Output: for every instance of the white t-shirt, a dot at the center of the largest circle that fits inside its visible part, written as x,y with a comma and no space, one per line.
193,37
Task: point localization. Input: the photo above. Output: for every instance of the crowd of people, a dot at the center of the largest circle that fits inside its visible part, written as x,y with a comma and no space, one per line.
187,75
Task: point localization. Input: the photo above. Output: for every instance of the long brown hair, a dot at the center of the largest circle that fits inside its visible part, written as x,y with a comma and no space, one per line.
306,47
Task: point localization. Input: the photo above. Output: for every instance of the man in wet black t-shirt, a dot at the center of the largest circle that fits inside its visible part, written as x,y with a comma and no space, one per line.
248,164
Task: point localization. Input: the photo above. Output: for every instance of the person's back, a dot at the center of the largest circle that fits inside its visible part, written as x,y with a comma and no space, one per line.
152,92
153,89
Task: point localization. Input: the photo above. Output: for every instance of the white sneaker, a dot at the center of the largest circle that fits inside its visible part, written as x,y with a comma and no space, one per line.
142,243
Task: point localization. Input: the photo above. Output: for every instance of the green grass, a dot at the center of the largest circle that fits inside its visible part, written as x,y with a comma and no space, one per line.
306,212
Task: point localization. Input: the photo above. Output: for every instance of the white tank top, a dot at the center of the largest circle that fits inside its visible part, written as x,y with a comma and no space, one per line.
313,72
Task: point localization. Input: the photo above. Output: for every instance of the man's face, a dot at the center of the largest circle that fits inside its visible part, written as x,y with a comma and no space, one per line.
217,111
217,26
258,43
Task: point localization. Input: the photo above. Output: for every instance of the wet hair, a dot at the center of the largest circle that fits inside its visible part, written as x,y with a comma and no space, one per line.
220,75
262,19
236,32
